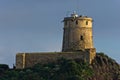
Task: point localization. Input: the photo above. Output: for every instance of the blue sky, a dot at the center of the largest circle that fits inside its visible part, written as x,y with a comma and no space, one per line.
35,25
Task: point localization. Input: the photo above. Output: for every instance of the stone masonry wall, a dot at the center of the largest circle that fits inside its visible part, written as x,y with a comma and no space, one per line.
25,60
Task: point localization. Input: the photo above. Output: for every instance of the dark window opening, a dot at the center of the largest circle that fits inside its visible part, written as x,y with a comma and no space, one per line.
72,20
76,22
86,22
81,37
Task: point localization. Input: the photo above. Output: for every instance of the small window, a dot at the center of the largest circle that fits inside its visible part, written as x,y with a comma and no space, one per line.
81,37
86,22
76,22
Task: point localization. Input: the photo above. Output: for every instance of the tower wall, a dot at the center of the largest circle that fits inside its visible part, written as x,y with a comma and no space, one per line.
77,33
20,61
26,60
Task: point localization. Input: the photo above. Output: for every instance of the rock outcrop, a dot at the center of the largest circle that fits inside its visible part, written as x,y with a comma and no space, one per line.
105,68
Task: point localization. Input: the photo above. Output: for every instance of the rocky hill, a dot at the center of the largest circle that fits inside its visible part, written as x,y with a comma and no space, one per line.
102,68
105,68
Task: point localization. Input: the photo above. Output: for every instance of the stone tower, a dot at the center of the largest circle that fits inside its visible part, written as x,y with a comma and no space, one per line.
77,33
77,44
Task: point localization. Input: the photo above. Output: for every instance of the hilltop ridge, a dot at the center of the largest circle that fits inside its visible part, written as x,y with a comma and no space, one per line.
102,68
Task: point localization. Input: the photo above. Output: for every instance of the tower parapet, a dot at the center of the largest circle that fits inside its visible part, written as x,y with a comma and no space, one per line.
77,33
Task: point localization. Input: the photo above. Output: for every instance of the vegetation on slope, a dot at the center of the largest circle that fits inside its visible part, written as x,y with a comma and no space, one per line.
102,68
62,70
